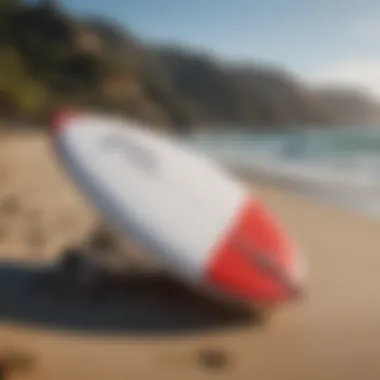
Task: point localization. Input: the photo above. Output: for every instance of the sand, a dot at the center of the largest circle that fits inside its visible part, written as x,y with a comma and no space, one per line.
333,334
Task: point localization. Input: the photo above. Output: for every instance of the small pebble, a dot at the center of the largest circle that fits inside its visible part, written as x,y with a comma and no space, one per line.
213,359
15,361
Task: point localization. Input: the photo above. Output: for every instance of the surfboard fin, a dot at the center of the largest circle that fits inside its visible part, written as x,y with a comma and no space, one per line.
267,263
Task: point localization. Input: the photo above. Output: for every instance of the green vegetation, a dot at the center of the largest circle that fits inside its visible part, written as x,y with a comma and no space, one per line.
49,58
23,94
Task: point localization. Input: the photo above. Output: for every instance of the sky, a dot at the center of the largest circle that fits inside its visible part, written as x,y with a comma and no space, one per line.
323,41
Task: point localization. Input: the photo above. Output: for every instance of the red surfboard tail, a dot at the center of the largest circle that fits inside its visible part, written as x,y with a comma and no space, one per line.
256,261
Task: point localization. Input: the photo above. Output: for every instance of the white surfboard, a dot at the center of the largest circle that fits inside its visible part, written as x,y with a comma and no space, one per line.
202,224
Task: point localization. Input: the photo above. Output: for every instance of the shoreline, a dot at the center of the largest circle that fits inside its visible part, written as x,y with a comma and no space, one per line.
365,203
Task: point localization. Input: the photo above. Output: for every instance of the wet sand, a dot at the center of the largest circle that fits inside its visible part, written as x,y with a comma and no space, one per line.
333,334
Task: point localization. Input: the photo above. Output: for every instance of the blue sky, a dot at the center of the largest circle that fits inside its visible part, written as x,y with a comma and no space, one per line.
321,40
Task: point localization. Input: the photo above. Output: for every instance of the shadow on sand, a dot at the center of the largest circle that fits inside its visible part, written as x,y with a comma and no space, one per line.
153,304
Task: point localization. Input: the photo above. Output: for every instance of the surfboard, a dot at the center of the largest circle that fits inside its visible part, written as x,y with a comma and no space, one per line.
202,224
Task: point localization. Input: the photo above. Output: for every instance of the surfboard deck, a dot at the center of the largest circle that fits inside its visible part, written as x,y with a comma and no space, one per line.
206,227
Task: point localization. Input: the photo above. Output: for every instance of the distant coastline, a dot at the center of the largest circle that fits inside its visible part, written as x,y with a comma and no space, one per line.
92,62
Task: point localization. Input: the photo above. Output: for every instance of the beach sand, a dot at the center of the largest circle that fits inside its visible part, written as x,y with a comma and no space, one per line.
333,334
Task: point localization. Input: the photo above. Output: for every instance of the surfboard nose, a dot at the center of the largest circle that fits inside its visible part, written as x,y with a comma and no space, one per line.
60,119
256,260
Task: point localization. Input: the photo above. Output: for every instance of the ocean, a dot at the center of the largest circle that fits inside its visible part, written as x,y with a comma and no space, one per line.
337,165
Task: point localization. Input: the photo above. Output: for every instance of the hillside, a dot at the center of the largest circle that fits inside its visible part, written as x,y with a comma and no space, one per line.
49,57
347,106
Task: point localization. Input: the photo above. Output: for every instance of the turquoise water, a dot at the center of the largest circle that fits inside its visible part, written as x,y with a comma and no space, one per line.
339,165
